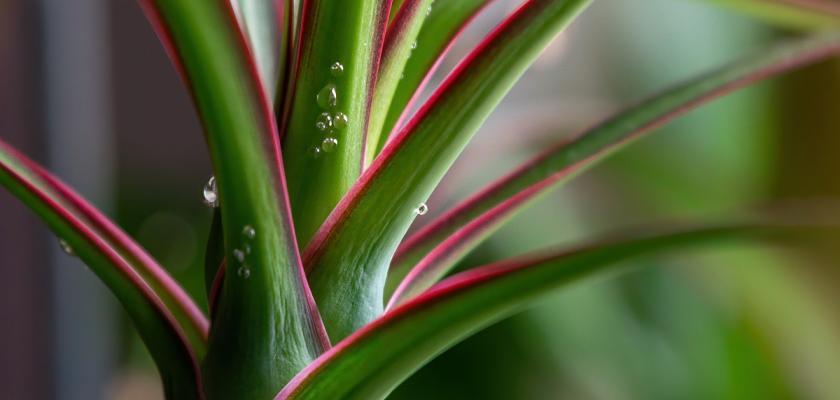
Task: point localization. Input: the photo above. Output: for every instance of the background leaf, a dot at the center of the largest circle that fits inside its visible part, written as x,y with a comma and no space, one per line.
796,14
433,251
371,362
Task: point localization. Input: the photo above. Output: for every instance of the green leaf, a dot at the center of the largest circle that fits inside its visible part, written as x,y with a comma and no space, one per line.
440,29
371,362
264,319
400,43
167,320
794,14
338,57
347,274
431,252
267,27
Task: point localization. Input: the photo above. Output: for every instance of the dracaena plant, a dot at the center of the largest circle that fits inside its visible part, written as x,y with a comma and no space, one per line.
321,165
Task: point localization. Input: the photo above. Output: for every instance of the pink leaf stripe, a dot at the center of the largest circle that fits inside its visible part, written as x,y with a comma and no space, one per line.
457,231
406,337
267,117
424,83
91,232
106,229
380,43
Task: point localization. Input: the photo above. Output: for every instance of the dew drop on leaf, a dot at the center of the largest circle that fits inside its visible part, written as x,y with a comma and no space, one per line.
65,247
239,255
337,69
211,193
249,232
243,272
315,152
421,209
413,45
340,120
327,97
329,144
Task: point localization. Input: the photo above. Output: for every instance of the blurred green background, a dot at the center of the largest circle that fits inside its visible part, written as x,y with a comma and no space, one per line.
86,89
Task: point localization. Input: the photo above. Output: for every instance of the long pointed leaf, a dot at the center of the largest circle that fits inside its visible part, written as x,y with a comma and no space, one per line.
400,43
347,274
169,323
371,362
440,30
265,314
339,49
434,250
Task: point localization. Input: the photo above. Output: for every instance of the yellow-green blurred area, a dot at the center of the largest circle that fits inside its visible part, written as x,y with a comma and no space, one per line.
754,321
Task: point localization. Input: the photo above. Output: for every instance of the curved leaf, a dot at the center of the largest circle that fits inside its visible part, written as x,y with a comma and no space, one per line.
400,43
347,275
374,360
338,56
170,325
264,311
440,30
431,252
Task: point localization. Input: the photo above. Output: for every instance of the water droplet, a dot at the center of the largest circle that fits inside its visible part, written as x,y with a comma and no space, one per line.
337,69
211,193
329,144
247,248
315,152
421,209
243,272
249,232
429,10
65,247
327,97
340,120
239,255
413,45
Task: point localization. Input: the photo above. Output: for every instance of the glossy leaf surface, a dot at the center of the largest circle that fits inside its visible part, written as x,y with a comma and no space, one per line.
347,261
264,319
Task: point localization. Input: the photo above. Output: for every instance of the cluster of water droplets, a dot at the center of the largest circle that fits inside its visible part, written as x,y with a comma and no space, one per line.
240,255
330,121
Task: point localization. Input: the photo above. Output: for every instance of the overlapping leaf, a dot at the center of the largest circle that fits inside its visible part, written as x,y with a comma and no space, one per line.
170,324
267,24
441,28
264,318
433,251
348,259
400,42
374,360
